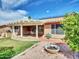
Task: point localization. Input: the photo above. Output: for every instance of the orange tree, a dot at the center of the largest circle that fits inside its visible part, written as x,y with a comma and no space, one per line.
71,29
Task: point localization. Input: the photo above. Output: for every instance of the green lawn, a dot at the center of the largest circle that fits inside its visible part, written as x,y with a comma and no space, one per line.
18,46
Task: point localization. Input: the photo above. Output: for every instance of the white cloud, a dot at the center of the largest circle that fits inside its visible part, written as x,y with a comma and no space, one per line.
39,2
11,16
72,2
22,12
36,3
12,3
8,15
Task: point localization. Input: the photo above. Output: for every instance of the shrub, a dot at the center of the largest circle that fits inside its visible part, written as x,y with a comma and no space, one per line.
48,36
71,29
6,52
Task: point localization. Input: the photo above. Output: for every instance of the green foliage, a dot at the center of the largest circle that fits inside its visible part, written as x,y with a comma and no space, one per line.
10,48
6,52
71,29
29,17
48,36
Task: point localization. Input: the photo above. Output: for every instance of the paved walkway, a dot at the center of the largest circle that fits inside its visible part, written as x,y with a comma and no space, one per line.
38,52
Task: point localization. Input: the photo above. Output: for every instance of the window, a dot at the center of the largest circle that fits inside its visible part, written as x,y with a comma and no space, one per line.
56,29
17,28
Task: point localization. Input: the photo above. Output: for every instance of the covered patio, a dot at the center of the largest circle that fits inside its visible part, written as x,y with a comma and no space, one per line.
31,30
26,28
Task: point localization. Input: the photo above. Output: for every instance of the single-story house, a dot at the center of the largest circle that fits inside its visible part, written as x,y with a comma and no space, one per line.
36,28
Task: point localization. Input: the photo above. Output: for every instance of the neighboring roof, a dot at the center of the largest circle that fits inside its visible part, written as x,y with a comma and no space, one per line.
3,26
4,29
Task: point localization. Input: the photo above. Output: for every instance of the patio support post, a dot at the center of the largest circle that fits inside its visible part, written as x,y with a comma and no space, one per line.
36,31
54,28
13,31
21,31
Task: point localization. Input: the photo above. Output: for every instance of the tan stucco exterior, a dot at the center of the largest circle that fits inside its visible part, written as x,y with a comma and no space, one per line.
47,29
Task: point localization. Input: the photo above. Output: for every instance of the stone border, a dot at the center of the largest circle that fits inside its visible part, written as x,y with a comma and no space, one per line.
22,53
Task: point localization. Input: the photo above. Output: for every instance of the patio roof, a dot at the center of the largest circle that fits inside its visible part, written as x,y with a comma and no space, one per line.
35,22
26,23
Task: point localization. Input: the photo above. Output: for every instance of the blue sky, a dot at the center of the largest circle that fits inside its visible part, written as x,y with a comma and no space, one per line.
11,10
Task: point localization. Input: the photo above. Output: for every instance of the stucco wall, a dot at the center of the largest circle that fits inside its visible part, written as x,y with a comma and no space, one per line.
47,29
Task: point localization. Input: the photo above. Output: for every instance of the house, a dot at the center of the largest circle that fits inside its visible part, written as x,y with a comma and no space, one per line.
37,28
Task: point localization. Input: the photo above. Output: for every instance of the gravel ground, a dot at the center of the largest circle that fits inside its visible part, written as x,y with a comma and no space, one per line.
38,52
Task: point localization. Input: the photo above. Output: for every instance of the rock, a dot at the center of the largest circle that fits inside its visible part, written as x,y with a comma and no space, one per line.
76,55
